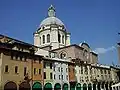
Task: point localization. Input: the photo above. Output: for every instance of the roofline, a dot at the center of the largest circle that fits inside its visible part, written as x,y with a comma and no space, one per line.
68,46
22,42
94,53
55,59
85,44
45,46
20,51
115,67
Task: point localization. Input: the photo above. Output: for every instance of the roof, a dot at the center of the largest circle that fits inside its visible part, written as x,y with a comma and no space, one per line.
68,47
85,44
12,40
57,59
5,48
51,20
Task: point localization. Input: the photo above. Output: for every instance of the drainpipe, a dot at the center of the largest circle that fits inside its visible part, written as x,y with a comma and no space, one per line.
43,73
32,71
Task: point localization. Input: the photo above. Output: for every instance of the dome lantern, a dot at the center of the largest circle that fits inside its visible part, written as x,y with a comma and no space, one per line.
51,18
51,11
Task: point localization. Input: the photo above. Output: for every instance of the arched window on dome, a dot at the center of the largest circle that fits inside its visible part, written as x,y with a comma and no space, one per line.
48,38
40,40
63,39
43,39
59,38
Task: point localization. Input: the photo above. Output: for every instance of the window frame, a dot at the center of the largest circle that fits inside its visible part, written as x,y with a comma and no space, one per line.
6,69
48,38
43,39
16,69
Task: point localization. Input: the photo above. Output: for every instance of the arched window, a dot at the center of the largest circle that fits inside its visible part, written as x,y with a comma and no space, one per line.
40,40
43,39
63,39
59,38
48,38
63,55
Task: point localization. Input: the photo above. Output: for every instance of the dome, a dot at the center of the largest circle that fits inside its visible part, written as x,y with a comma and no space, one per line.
51,20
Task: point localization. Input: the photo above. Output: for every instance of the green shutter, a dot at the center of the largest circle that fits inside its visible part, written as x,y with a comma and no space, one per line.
94,86
89,87
57,86
48,85
78,86
37,85
65,87
84,86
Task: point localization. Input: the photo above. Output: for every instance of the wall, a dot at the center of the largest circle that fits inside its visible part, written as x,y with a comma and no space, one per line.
11,75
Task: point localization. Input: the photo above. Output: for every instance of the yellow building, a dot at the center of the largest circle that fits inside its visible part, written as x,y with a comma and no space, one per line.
20,68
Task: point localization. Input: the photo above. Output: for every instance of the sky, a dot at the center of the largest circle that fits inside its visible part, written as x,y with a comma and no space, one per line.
97,22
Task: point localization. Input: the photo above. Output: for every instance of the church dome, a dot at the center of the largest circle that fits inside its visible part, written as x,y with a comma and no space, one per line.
51,19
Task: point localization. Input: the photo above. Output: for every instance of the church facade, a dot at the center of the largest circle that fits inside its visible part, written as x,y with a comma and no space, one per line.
52,63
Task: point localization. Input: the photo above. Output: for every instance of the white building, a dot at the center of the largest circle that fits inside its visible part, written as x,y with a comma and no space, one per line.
51,32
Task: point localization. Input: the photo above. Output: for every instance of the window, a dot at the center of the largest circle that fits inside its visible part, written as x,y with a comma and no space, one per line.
50,65
101,71
105,71
66,77
59,38
63,39
48,38
108,72
43,39
81,70
39,61
21,58
62,55
66,70
25,58
6,68
62,77
16,57
16,69
102,77
59,69
11,56
45,65
86,70
59,77
40,40
54,68
22,49
69,69
39,71
44,75
25,70
34,70
54,76
50,75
